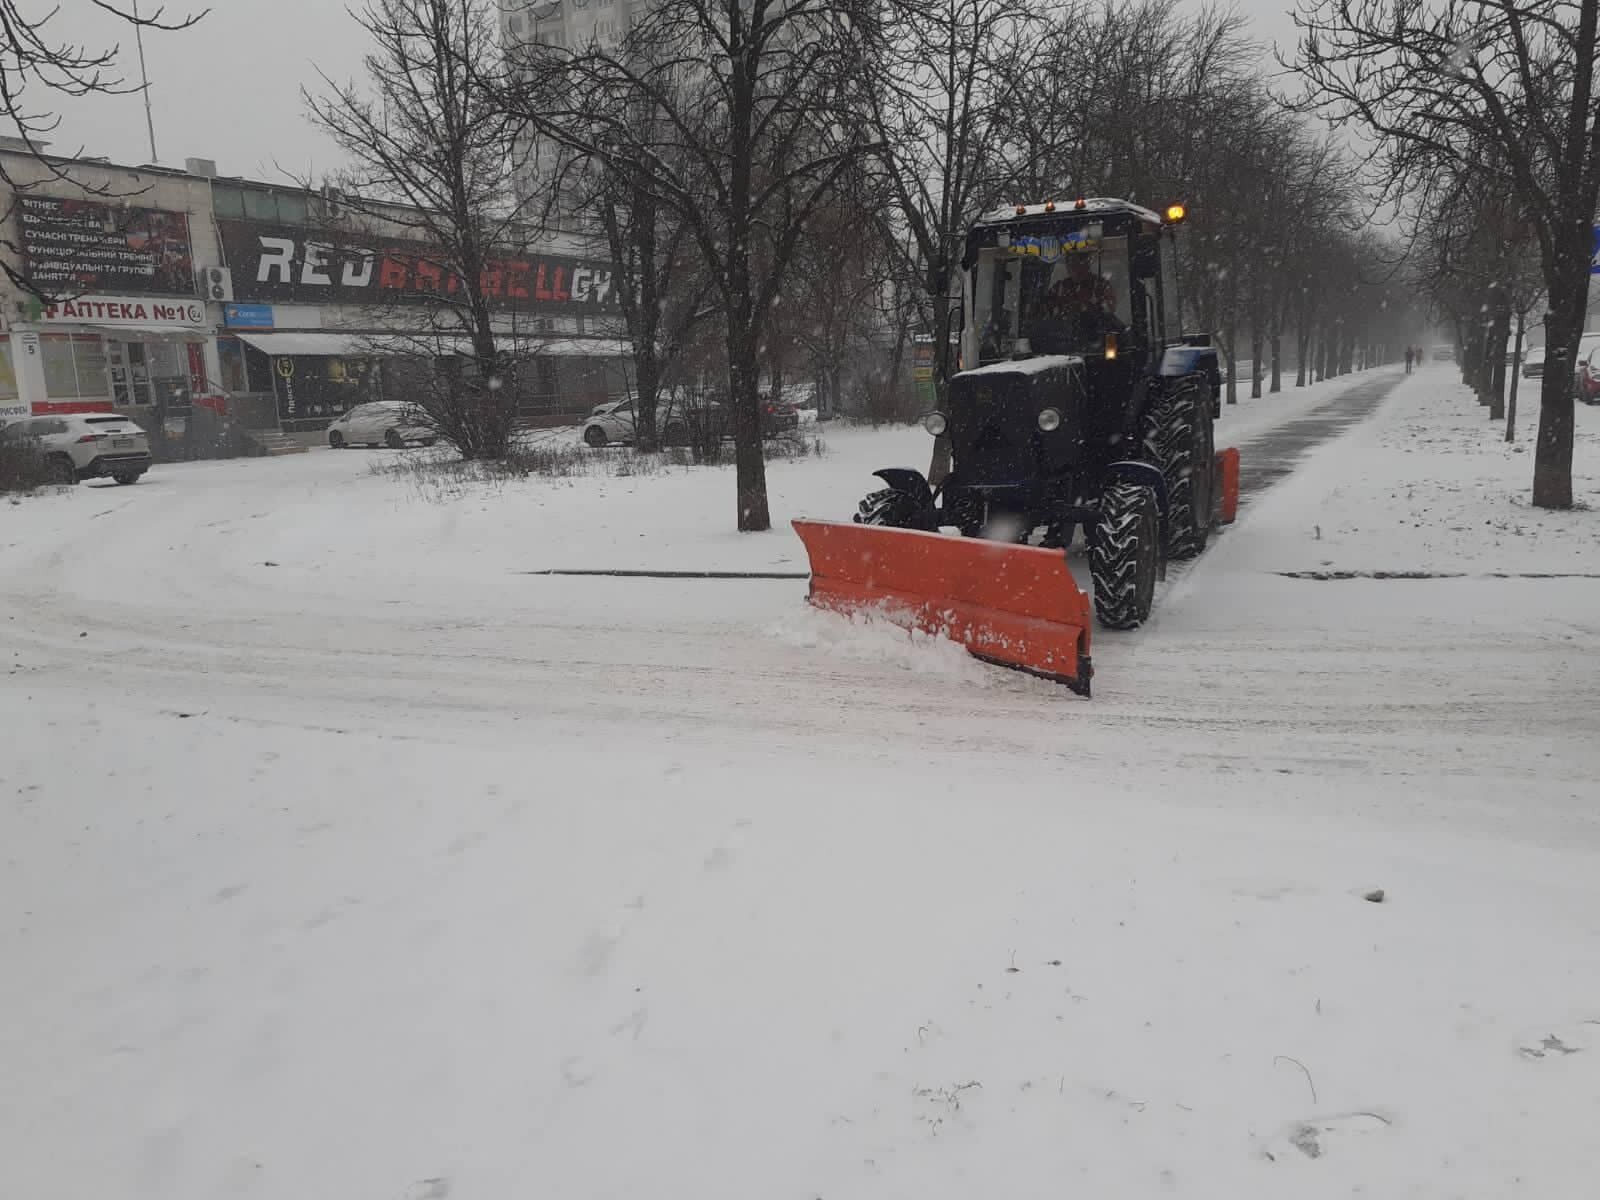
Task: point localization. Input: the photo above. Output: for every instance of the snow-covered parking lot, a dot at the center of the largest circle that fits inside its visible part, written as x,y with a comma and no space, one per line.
344,857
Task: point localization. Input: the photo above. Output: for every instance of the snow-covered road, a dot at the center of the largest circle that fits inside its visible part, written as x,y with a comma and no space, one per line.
343,857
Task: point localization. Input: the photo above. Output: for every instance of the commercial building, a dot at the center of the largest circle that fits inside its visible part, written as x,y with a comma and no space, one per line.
274,304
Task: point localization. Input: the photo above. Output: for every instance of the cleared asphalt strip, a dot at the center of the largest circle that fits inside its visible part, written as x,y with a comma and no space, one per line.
1268,457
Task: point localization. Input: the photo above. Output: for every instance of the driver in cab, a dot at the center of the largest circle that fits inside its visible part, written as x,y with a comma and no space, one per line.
1079,292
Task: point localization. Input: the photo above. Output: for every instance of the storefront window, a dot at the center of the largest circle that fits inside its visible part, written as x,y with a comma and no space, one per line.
230,355
74,366
169,373
144,373
258,370
8,374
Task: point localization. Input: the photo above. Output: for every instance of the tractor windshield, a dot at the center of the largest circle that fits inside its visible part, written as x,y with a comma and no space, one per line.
1051,295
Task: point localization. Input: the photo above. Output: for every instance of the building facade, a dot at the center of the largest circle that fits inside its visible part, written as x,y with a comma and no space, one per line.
178,289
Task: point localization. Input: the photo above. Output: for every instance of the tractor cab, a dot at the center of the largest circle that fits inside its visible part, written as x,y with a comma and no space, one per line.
1094,278
1049,295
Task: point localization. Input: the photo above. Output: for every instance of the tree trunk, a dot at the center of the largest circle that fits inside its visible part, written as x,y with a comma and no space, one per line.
639,296
1516,375
897,357
1484,375
647,380
749,464
1552,459
1230,338
1497,384
1277,358
1256,347
939,463
1302,347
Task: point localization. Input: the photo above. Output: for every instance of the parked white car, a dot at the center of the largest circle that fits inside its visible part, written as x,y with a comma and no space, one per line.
79,446
389,423
611,423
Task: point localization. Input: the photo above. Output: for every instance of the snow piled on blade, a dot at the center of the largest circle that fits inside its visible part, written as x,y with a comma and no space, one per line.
873,636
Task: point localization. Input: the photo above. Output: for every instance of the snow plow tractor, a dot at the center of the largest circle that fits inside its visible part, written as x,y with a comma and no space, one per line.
1080,406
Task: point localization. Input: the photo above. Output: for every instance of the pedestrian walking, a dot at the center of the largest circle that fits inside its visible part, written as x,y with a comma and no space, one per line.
1410,354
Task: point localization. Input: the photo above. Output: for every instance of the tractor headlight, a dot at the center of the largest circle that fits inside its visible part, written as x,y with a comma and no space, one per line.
935,423
1050,420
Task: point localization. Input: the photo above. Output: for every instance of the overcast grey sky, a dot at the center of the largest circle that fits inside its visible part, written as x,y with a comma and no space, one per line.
229,89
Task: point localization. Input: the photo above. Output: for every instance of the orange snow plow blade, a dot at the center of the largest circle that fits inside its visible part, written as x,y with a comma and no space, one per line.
1228,473
1014,605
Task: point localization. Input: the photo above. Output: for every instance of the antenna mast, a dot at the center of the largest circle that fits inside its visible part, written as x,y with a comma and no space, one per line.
149,118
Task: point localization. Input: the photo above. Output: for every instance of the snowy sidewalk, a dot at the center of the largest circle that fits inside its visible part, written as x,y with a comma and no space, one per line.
341,859
1430,485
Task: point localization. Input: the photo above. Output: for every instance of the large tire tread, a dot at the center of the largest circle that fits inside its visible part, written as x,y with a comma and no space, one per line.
1125,555
1179,440
893,509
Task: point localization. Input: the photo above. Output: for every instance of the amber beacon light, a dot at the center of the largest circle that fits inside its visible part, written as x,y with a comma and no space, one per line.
1175,213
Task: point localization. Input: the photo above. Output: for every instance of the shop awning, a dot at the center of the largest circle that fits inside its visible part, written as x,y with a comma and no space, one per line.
581,347
333,345
523,344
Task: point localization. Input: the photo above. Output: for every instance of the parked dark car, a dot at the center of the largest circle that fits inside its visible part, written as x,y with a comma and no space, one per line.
1589,377
778,416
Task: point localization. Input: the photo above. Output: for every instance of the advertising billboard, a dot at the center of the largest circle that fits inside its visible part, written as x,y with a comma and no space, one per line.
77,246
290,264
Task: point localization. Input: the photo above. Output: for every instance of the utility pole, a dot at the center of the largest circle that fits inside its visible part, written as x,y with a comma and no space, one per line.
149,118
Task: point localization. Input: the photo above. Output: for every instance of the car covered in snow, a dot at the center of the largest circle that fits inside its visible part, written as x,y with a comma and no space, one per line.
677,416
1533,363
391,423
78,446
612,423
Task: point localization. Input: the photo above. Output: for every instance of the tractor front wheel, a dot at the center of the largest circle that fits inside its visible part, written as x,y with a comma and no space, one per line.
895,509
1179,440
1125,555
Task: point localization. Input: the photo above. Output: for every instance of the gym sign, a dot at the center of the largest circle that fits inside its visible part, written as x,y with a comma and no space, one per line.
124,310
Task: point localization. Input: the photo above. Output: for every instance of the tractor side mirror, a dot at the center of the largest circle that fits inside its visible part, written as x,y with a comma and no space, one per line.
1147,259
958,314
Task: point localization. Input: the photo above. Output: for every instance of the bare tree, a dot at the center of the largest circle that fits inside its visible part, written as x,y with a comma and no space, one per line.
659,290
1434,84
945,88
431,157
750,131
1475,262
844,275
37,72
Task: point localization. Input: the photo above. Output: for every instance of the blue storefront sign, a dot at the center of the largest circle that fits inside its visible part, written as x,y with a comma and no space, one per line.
247,316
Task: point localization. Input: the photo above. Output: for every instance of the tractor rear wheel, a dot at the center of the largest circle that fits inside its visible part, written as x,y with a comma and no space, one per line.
895,509
1125,555
1179,440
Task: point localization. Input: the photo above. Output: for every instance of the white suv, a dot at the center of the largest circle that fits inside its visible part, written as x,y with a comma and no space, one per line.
79,446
